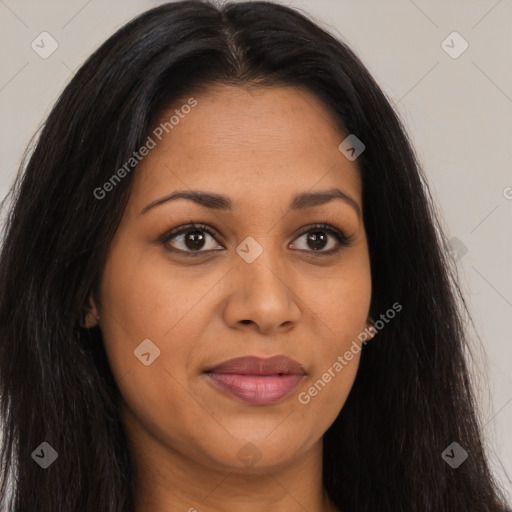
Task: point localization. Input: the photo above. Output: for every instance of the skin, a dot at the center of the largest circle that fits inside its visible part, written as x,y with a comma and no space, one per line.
260,147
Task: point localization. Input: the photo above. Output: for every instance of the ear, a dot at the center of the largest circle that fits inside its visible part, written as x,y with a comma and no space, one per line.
370,322
91,315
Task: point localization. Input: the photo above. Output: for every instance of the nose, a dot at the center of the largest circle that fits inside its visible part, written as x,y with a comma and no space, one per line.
264,298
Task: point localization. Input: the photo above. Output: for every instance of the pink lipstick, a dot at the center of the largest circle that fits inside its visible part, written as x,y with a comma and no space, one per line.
257,381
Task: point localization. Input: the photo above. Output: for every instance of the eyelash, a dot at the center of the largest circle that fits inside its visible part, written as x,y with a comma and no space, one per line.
342,239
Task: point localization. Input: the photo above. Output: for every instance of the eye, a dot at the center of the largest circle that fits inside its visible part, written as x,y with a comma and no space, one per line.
189,239
316,239
193,238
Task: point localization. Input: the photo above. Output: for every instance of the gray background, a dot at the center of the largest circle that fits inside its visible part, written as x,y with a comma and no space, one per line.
457,110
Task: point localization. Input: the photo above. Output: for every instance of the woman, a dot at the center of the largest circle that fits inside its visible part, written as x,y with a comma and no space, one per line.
224,286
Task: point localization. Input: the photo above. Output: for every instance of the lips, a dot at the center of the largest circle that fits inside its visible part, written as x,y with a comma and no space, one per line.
255,380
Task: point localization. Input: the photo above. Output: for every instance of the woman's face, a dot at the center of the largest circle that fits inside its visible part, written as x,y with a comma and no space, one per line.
263,283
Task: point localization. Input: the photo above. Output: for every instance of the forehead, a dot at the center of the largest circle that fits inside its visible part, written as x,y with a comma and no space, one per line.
246,141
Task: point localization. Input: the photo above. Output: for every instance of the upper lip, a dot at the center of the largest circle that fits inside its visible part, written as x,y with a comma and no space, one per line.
253,365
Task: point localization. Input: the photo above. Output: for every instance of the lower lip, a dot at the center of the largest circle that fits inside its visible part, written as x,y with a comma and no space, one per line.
256,389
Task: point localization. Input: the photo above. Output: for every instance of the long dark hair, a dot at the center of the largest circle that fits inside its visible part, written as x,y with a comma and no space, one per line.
412,395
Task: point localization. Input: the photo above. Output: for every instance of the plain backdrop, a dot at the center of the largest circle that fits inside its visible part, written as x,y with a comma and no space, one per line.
455,101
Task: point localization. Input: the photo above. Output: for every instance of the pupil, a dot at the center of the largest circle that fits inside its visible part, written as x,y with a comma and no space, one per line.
317,240
194,239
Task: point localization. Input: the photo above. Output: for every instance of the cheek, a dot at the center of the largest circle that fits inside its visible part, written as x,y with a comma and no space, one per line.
142,301
144,297
325,393
337,356
342,307
340,297
150,324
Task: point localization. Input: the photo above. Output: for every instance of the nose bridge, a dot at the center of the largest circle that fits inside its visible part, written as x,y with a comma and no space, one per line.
261,262
266,297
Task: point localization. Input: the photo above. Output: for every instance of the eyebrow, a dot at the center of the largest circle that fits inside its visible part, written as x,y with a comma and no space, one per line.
214,201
